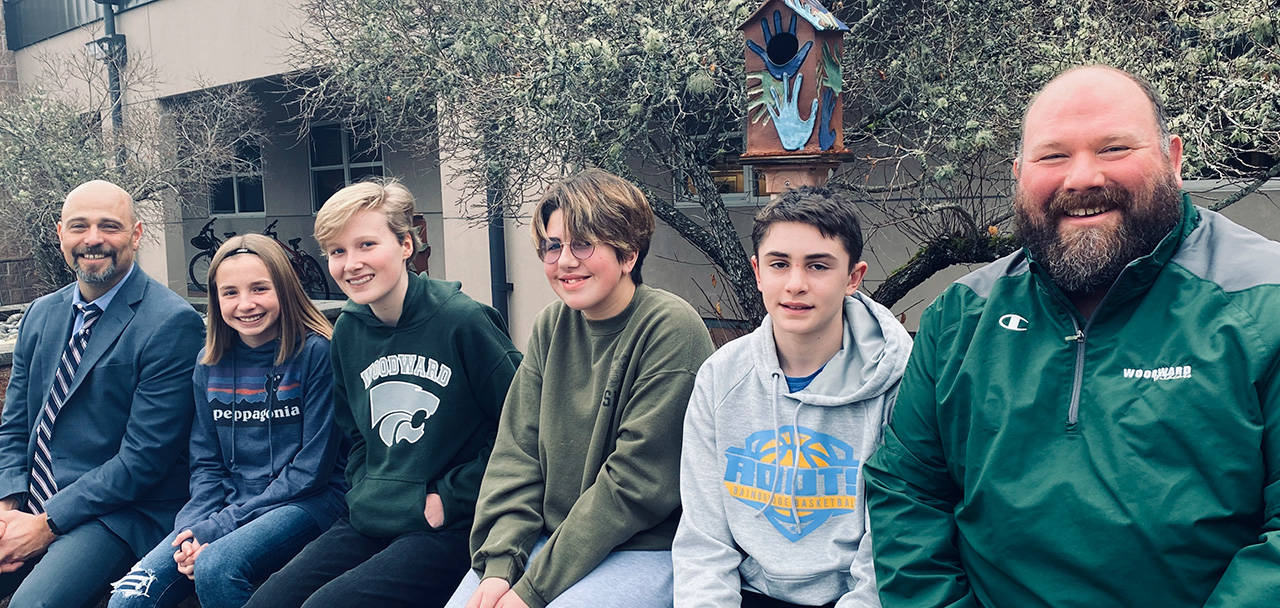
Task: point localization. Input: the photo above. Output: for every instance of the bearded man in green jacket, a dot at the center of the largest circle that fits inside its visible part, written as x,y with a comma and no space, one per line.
1095,419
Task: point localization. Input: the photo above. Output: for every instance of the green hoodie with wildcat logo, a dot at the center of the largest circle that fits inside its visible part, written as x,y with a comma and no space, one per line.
420,401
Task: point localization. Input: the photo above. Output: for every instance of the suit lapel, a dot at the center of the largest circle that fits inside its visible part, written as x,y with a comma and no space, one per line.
108,328
53,339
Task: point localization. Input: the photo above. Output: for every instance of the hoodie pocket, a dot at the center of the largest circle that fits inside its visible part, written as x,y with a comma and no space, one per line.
810,588
385,507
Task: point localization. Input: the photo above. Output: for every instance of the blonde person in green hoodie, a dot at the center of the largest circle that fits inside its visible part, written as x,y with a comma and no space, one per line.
581,500
420,372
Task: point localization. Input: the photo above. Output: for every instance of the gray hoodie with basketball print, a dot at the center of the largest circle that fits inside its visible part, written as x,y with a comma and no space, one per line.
770,480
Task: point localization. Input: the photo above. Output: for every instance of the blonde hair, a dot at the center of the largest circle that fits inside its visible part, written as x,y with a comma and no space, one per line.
298,315
387,196
600,207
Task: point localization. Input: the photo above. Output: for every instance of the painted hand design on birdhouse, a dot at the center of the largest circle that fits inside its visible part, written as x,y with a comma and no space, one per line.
792,130
792,62
832,83
782,53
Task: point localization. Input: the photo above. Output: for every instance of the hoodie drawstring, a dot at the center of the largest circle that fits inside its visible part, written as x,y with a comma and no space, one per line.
273,397
777,441
235,400
795,464
795,456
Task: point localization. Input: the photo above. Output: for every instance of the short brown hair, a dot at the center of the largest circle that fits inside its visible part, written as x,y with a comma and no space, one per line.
603,208
386,195
298,315
830,212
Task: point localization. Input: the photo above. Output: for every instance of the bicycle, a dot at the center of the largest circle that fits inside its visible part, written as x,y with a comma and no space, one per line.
207,243
309,271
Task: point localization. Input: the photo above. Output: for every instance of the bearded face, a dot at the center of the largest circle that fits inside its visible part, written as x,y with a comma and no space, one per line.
1086,259
104,256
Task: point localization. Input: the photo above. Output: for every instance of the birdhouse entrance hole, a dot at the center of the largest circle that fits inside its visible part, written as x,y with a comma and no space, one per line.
782,47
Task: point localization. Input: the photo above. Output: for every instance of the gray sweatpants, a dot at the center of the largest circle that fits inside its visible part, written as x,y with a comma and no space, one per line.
625,579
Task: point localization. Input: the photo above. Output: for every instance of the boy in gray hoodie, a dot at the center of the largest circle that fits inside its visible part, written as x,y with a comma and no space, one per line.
781,420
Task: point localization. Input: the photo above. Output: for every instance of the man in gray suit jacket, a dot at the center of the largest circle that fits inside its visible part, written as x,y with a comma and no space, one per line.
93,435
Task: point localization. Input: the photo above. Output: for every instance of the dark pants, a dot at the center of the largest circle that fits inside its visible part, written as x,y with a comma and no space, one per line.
345,568
755,600
74,572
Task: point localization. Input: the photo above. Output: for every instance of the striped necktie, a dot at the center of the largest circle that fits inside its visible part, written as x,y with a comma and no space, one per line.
42,482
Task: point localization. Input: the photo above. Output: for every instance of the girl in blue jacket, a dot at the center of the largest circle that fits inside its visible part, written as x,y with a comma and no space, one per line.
266,476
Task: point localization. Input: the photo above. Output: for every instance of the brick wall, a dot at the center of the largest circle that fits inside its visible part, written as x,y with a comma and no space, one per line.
16,278
8,69
16,273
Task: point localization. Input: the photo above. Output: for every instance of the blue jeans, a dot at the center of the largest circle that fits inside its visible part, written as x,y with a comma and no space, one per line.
227,571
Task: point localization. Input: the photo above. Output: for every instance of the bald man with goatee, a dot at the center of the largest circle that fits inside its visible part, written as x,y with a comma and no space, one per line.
1093,420
93,435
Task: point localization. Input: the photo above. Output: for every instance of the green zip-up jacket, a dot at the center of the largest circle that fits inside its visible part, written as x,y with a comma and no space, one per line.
1036,458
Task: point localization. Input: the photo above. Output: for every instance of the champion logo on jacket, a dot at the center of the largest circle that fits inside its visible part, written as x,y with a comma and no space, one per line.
805,477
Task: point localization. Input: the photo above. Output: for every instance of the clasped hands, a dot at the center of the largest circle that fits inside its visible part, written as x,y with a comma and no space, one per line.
22,535
188,547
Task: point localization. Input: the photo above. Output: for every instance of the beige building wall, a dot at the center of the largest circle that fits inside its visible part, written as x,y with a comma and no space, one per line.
196,44
468,260
193,44
190,45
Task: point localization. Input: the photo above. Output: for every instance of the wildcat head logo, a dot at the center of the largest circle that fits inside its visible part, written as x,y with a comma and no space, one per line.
399,411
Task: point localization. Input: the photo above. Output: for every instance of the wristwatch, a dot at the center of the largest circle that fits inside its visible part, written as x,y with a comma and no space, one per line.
52,526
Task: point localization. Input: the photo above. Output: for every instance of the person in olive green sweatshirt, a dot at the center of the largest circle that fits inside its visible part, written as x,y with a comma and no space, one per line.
420,372
581,497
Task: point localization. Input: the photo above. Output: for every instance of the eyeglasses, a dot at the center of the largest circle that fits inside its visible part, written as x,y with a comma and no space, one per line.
549,251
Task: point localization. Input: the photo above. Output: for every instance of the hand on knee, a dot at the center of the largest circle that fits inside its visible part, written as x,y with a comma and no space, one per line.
488,593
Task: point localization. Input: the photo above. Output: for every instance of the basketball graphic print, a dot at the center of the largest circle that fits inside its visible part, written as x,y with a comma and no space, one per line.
799,477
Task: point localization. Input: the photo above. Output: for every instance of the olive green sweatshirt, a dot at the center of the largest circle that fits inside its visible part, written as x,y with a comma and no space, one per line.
588,447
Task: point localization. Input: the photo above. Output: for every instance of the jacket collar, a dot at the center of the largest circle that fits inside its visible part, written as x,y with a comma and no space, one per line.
1138,276
108,328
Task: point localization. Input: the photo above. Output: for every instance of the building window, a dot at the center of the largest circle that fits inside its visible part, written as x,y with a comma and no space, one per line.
738,184
240,191
340,158
737,179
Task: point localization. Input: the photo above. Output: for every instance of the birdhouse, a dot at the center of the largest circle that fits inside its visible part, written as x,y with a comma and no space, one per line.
794,80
